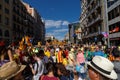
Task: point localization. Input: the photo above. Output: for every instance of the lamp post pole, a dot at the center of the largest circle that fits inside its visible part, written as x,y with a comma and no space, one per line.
107,27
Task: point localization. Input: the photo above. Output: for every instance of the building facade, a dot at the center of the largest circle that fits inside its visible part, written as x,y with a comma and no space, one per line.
22,24
73,27
5,20
114,22
17,21
83,20
93,20
39,25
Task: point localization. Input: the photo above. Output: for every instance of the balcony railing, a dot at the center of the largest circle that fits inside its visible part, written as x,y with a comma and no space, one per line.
94,21
90,3
91,35
93,9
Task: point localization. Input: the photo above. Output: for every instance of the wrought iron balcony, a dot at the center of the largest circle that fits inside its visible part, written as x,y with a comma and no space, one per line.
93,9
94,21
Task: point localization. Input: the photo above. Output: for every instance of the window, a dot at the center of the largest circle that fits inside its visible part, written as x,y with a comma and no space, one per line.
114,28
14,17
117,11
0,6
14,27
0,18
109,16
0,32
7,1
6,11
110,3
6,20
6,33
112,14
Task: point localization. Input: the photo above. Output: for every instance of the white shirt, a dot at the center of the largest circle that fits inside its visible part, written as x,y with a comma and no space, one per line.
39,68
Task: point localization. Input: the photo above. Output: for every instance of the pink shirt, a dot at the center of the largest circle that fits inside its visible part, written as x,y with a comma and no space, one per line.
80,58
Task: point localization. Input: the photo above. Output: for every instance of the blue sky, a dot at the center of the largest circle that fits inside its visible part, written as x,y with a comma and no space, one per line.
57,14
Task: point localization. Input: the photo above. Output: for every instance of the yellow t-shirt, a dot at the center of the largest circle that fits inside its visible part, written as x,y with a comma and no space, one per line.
93,48
47,53
65,62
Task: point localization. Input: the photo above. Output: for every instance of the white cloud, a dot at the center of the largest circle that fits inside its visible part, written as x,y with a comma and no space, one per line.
49,34
61,30
60,37
65,23
58,34
53,23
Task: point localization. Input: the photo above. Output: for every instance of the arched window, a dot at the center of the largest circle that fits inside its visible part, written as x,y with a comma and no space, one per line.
0,32
6,33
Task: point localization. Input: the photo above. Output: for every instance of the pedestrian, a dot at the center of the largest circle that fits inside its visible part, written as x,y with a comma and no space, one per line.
38,68
76,76
81,62
59,55
98,52
71,59
80,57
65,61
47,52
88,54
116,62
100,68
5,55
62,72
51,72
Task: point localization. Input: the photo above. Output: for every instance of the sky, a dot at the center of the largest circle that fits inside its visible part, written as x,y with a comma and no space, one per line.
57,14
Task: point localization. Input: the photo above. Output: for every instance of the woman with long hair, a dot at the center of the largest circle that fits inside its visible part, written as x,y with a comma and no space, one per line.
62,72
51,72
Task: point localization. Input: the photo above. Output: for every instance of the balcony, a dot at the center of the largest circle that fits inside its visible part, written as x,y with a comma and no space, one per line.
90,3
93,9
94,21
91,35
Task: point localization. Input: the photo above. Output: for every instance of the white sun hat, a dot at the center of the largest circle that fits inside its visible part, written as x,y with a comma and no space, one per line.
103,66
10,69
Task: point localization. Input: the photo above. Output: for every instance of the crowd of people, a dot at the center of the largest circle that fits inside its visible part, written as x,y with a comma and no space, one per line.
60,62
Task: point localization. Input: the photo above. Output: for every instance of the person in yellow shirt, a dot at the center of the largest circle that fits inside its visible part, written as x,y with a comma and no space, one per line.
65,61
47,52
93,48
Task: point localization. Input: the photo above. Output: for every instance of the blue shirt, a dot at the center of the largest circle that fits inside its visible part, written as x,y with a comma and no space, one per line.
98,53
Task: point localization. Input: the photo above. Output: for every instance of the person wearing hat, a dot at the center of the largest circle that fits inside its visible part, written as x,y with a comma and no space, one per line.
100,68
11,71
